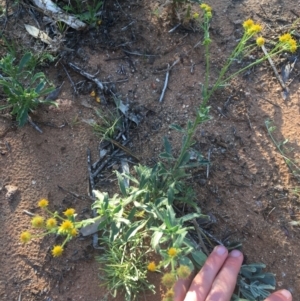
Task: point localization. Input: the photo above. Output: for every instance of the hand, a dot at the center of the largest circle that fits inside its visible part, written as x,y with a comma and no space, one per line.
217,279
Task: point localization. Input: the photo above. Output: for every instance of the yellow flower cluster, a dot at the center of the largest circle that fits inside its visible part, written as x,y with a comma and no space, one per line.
207,10
67,226
288,42
251,28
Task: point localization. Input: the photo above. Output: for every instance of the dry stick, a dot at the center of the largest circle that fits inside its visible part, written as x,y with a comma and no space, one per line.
136,53
284,87
70,79
199,233
269,101
212,237
208,158
166,80
92,188
75,195
87,75
34,125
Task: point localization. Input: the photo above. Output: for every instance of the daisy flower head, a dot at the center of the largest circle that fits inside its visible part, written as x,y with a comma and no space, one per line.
248,23
51,223
37,222
74,232
195,15
260,41
205,7
183,271
255,28
57,251
25,237
292,45
172,252
69,212
43,203
168,280
66,226
285,37
151,266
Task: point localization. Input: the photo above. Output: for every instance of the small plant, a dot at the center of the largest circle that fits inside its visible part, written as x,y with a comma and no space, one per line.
84,11
124,266
53,224
22,86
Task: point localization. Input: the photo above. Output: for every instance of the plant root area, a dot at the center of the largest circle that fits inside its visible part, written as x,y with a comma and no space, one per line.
248,191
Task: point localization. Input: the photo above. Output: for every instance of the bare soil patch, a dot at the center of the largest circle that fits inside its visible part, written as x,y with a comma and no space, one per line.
248,191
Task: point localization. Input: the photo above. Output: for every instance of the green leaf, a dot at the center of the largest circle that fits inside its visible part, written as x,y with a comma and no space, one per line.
187,262
199,257
40,87
156,237
167,145
184,160
166,156
121,184
177,127
25,59
170,194
37,76
134,229
22,116
189,216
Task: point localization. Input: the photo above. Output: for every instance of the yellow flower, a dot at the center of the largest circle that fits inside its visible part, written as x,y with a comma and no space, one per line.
293,48
74,232
99,22
183,271
93,93
25,237
37,222
168,280
43,203
260,41
170,294
69,212
98,99
151,266
195,15
51,223
172,252
66,226
205,7
208,14
57,251
255,28
248,23
285,37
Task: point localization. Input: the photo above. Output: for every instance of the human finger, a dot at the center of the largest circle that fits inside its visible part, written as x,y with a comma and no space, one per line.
181,287
282,295
224,284
203,281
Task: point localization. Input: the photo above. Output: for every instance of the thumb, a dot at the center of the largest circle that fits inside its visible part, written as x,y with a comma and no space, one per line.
282,295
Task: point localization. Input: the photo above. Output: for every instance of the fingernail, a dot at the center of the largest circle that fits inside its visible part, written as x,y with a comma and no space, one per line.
235,253
286,294
220,250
